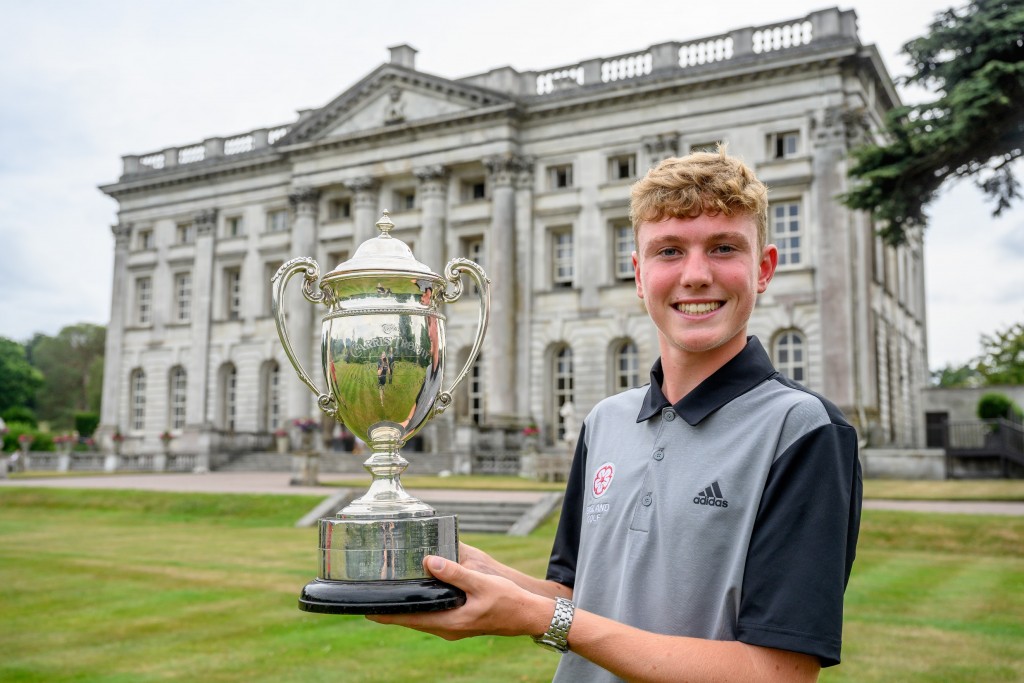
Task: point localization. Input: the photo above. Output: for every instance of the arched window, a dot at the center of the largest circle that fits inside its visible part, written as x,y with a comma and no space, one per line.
138,399
790,355
561,389
626,370
270,394
228,396
177,383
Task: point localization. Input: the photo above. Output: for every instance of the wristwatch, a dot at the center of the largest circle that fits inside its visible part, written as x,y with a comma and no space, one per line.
557,636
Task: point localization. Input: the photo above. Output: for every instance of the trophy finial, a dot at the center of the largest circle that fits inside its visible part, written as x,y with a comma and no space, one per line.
385,225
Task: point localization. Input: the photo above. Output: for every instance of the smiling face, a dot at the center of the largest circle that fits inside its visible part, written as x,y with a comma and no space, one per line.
699,279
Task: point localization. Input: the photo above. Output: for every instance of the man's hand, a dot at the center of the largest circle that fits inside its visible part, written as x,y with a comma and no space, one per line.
494,605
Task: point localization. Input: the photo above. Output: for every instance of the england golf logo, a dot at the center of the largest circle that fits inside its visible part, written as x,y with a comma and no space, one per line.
603,479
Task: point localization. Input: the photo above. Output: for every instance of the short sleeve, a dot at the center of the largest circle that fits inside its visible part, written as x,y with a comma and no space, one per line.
566,547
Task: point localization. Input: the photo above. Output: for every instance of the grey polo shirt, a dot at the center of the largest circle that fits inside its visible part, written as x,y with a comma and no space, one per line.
731,515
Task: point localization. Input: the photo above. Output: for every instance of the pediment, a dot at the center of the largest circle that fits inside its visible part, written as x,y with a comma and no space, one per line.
391,96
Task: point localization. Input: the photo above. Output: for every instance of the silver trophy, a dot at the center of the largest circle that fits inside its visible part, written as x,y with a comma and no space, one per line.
383,353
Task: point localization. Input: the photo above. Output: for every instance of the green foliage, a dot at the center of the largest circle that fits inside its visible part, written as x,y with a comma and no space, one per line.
86,423
41,441
973,57
18,379
20,414
1002,359
956,376
72,365
994,406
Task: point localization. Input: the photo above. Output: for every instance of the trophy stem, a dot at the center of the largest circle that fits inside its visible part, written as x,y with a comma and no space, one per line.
386,498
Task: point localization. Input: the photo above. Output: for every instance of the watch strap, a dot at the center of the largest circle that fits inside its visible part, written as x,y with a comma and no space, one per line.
557,636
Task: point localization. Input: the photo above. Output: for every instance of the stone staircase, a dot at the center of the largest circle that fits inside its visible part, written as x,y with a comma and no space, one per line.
483,517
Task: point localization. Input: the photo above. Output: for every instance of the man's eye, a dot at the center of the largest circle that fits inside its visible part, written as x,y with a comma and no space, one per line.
669,251
724,249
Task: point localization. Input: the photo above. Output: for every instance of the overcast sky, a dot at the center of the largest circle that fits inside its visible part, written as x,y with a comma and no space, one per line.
83,82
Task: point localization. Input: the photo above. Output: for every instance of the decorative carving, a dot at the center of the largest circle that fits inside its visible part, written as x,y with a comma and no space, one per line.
122,234
304,200
661,146
396,108
433,179
364,191
504,168
205,222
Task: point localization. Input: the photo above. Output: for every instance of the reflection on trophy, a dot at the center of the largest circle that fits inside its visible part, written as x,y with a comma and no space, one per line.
383,352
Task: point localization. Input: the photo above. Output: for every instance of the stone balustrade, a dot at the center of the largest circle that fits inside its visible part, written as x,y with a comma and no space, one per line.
762,42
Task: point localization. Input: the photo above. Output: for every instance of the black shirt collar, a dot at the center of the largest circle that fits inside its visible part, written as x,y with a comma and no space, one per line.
743,372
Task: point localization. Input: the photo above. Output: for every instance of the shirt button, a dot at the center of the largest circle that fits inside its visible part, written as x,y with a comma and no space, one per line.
659,454
669,415
647,500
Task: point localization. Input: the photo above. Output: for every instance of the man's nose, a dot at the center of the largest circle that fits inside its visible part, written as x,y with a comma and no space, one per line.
696,271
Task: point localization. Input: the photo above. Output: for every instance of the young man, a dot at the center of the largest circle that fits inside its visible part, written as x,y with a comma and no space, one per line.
711,518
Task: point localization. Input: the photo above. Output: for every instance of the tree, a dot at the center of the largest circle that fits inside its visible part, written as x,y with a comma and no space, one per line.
18,379
973,57
1002,359
71,364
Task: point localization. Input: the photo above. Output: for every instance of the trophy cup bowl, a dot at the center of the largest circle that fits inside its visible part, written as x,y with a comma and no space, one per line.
383,355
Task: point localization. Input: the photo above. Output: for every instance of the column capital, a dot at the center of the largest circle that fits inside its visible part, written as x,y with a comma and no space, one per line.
503,168
304,199
205,222
364,191
122,233
433,179
661,146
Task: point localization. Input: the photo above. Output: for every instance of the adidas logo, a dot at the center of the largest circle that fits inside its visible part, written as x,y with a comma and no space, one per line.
712,496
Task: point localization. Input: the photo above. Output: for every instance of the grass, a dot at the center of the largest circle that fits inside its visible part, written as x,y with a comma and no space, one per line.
118,586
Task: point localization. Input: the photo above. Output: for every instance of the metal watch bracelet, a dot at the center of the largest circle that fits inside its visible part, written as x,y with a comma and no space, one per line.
557,636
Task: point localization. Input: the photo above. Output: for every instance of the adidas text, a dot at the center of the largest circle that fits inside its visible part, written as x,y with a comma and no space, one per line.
714,502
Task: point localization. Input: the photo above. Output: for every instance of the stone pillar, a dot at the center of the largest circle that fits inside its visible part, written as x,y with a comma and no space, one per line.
365,208
660,147
198,421
302,315
835,260
433,193
499,347
524,279
113,351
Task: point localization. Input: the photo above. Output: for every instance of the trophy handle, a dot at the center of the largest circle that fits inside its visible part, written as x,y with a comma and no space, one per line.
311,273
452,275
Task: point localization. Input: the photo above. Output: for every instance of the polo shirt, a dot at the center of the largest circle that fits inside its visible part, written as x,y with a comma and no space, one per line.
731,515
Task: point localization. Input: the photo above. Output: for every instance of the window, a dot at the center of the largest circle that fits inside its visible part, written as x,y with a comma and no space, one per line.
144,239
622,167
784,145
559,176
177,384
562,389
562,258
271,392
338,209
138,399
784,218
233,293
229,397
182,297
622,242
473,249
627,367
277,220
705,147
185,233
476,391
144,300
405,199
473,189
790,358
234,226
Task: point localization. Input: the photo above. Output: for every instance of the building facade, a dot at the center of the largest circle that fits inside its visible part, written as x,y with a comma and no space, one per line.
527,173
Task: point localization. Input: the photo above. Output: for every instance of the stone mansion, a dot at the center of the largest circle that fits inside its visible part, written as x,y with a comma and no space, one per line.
528,173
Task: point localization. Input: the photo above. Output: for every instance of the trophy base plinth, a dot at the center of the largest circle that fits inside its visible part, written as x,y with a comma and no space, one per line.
379,597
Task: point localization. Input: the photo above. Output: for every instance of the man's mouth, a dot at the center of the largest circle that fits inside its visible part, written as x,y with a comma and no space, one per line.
699,309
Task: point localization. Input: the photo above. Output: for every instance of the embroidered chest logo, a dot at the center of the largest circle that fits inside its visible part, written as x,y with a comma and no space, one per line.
603,479
712,496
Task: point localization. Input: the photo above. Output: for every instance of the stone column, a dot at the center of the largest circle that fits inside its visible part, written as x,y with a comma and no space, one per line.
433,193
524,279
499,348
302,315
198,421
113,352
365,208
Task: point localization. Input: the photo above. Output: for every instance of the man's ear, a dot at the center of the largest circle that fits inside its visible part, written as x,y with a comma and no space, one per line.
636,276
766,268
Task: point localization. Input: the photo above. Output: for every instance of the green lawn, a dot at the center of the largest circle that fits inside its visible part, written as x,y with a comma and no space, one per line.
137,586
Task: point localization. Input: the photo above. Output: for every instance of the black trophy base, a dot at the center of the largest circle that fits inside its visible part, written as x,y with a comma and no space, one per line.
379,597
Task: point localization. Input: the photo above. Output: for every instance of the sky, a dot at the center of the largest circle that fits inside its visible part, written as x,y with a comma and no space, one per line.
83,82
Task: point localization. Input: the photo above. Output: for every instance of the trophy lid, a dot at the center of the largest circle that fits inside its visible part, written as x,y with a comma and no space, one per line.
382,252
